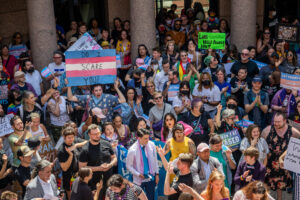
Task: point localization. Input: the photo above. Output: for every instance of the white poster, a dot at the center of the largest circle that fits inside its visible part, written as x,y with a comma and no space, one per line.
292,158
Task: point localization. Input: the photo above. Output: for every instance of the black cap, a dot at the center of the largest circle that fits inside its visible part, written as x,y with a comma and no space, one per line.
33,143
274,54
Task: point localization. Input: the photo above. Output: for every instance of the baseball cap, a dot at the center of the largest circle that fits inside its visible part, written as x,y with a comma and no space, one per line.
202,147
98,112
256,79
19,73
24,151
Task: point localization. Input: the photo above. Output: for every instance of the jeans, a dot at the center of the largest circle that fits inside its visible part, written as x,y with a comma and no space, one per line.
149,189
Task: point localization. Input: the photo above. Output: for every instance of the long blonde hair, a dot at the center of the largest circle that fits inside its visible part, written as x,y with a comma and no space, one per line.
215,175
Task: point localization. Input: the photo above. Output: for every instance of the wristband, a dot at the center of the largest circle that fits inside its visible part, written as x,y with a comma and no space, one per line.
242,179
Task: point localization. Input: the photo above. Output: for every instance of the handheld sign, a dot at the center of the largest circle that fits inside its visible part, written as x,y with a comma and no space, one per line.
5,127
122,169
85,42
231,139
292,158
45,72
290,81
91,67
47,150
211,40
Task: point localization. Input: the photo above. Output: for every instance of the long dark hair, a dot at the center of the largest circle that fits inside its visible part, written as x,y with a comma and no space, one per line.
147,51
249,132
181,85
165,128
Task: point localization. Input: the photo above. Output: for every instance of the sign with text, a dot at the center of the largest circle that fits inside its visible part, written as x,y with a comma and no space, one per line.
85,42
244,123
122,169
290,81
211,40
231,139
91,67
292,157
5,127
47,150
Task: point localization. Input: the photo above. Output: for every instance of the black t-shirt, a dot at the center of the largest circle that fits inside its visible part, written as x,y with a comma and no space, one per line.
186,179
96,155
240,94
22,174
201,132
26,114
251,66
63,156
81,191
213,72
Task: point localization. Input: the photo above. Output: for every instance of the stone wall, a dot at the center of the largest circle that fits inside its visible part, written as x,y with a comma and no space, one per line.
118,8
13,18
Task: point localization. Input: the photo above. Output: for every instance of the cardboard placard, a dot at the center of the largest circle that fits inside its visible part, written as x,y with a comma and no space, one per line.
211,40
292,158
231,139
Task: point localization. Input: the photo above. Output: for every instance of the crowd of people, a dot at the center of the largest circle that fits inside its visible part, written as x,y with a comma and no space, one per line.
180,96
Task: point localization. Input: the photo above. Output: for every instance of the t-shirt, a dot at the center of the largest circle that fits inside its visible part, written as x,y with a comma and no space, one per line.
251,66
96,155
5,181
186,179
35,80
219,156
81,191
200,133
12,139
212,94
26,115
106,102
57,68
22,174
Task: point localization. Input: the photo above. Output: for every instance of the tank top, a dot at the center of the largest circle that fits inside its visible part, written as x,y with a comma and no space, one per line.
63,117
177,148
37,134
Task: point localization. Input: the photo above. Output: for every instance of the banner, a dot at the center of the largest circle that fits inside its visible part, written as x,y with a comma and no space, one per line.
47,150
85,42
244,123
231,139
211,40
173,92
292,158
91,67
122,155
162,171
290,81
260,64
5,127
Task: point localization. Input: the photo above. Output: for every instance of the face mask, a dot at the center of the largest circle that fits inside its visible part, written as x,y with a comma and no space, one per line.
19,98
31,70
185,92
231,106
206,82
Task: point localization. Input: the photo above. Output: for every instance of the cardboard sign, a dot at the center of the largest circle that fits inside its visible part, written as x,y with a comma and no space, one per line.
47,150
5,127
290,81
211,40
260,64
84,43
231,139
91,67
292,158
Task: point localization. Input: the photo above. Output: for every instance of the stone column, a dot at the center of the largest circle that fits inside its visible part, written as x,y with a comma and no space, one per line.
243,23
42,31
142,25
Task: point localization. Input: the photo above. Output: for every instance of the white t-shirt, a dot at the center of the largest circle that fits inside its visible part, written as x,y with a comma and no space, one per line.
57,68
177,102
35,80
213,94
160,80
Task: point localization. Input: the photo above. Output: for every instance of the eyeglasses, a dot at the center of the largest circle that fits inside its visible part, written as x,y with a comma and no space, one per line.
267,33
57,57
244,54
290,55
160,97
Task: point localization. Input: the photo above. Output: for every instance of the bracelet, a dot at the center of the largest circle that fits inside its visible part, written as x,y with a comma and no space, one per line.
242,179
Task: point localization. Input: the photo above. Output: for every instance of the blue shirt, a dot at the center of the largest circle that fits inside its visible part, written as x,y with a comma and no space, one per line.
223,85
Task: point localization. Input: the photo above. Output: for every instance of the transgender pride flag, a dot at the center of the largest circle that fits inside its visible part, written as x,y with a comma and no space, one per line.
91,67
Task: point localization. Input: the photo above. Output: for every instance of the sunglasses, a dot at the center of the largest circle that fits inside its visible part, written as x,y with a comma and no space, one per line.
160,97
244,54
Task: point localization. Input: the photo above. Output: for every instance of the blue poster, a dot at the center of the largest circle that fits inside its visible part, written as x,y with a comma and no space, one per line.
162,171
122,170
231,139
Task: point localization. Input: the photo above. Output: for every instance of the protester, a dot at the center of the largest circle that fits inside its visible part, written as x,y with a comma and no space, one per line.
253,191
182,101
125,136
142,163
168,125
21,84
6,175
33,77
8,61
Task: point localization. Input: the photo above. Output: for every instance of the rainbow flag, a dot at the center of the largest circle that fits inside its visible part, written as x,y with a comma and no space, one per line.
91,67
181,69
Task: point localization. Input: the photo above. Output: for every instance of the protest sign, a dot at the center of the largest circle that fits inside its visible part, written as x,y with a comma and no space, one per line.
47,150
122,169
260,64
231,139
173,92
91,67
45,72
162,171
244,123
5,127
290,81
211,40
292,158
85,42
